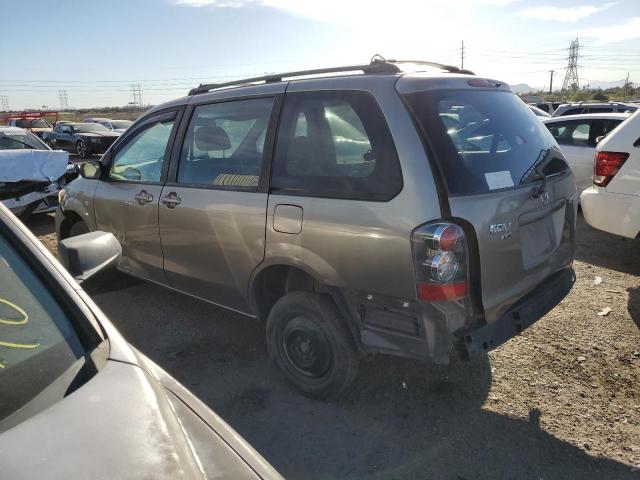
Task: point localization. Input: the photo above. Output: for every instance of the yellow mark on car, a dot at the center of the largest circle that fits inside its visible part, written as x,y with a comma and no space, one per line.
19,321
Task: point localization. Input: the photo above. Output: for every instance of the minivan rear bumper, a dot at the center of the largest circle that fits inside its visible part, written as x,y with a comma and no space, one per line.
528,310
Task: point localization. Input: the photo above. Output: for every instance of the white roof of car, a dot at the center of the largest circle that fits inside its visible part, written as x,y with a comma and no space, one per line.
4,128
588,116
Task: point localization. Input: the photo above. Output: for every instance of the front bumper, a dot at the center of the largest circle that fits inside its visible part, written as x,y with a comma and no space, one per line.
612,212
528,310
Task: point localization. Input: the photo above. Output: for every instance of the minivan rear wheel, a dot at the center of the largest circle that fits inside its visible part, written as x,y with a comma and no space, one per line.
310,343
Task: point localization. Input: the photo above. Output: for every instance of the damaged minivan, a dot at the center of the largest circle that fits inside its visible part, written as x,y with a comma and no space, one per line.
407,209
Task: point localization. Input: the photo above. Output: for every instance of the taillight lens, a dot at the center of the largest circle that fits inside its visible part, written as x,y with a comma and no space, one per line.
440,258
606,165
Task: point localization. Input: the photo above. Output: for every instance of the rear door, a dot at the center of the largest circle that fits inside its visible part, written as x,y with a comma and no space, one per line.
505,176
577,141
212,213
126,199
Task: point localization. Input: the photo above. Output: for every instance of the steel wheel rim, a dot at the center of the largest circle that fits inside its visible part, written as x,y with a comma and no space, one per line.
306,347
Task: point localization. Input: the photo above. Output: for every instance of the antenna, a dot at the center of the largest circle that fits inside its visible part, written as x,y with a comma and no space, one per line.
64,101
571,77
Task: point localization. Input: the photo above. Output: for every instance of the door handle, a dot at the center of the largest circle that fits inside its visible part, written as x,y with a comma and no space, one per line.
143,197
171,200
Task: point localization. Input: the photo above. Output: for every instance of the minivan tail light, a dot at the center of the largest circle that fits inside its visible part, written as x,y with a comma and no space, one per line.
606,165
441,263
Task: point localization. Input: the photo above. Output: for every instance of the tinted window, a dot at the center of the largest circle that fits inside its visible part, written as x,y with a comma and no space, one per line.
335,144
572,111
224,144
482,140
37,343
142,156
600,109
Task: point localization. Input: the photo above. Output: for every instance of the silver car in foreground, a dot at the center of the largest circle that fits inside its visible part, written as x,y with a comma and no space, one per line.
424,214
76,400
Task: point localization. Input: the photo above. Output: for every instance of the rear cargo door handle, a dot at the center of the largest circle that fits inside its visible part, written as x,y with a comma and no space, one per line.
143,197
172,200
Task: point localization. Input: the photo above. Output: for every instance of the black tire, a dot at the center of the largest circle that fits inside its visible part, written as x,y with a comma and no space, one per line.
309,341
77,228
82,149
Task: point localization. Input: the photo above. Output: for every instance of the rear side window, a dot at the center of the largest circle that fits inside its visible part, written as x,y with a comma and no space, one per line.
224,144
575,133
483,140
335,144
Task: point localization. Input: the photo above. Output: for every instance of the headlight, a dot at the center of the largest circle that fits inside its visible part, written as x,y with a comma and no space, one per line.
61,194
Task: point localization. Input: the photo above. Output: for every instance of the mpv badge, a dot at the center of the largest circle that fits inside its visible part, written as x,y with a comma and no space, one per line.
503,228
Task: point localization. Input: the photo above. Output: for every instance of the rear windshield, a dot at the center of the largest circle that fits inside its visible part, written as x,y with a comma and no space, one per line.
484,140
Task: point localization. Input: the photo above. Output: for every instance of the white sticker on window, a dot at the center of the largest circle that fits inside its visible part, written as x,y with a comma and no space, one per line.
497,180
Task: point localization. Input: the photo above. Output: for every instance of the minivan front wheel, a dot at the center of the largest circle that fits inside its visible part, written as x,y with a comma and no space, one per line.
310,343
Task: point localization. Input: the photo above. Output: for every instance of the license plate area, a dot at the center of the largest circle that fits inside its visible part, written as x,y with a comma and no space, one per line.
541,234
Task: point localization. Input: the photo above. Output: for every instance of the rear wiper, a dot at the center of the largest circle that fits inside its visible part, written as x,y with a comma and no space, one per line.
535,168
543,185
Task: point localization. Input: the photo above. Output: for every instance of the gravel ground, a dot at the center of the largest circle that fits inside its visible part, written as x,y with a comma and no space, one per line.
560,401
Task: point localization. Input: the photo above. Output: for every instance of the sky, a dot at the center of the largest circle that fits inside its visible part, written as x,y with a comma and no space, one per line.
96,50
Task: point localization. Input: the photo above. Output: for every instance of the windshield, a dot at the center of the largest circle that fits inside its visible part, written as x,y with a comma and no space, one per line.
121,123
483,140
19,141
40,123
89,127
37,342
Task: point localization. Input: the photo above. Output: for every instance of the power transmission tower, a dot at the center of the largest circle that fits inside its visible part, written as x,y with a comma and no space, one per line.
5,103
551,82
626,87
64,102
571,77
462,56
136,91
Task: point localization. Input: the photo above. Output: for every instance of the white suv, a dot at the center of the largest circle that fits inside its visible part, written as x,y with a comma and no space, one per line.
612,204
578,135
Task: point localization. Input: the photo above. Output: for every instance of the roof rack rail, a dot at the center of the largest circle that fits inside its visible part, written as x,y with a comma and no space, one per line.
378,65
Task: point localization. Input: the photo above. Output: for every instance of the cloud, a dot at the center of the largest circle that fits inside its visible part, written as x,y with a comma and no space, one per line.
562,14
611,33
341,10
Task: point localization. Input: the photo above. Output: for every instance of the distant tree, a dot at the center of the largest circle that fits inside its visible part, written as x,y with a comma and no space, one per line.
600,96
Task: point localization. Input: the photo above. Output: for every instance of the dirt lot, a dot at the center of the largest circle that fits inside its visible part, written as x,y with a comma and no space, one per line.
561,401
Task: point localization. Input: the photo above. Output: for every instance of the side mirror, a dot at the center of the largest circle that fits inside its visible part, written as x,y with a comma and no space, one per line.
90,170
86,255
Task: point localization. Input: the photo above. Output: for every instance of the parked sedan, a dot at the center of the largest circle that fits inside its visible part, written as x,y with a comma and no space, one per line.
578,135
77,400
83,139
